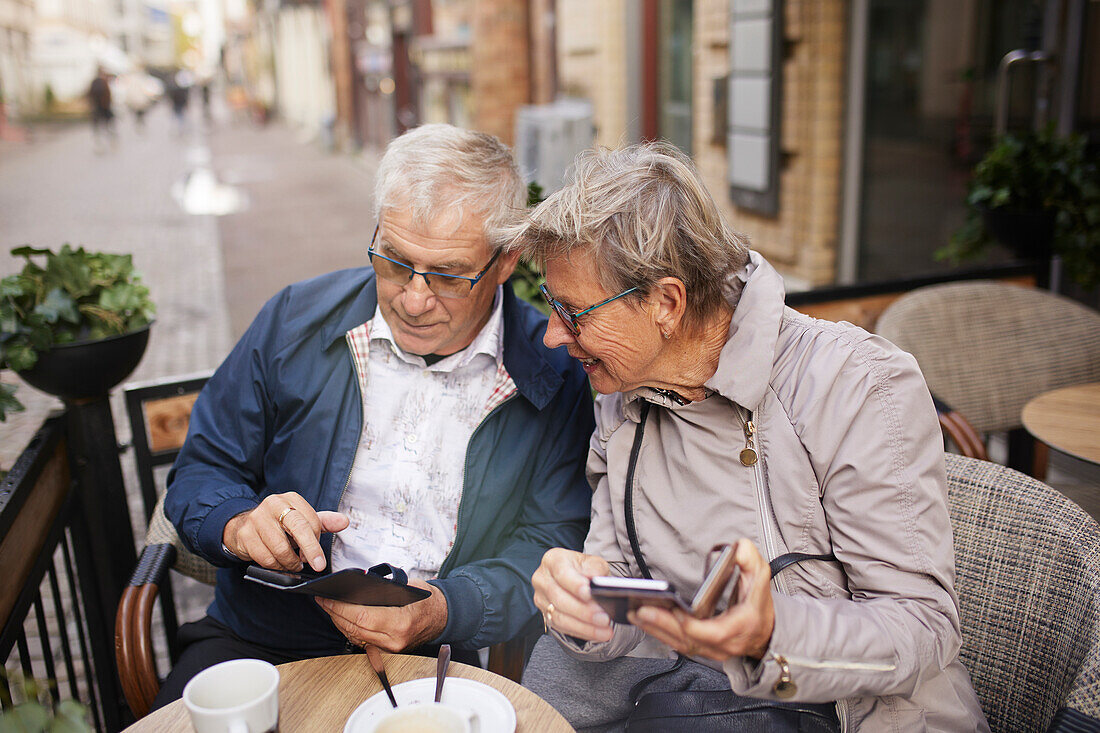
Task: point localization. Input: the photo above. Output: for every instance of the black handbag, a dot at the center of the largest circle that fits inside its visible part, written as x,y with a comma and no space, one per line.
721,711
707,711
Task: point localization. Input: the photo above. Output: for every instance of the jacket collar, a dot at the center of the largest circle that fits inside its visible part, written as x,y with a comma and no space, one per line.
525,362
745,364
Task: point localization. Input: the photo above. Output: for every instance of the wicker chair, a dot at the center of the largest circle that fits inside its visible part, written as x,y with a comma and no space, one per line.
1027,564
987,348
159,415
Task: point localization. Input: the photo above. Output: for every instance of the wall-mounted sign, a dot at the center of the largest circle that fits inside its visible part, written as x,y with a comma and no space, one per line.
754,99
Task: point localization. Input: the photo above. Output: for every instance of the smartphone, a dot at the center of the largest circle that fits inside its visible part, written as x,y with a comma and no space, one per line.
618,595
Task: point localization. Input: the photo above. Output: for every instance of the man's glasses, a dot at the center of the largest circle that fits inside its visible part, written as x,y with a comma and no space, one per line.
569,317
440,283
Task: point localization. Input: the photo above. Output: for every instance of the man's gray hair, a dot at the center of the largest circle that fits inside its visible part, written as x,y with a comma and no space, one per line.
645,214
433,168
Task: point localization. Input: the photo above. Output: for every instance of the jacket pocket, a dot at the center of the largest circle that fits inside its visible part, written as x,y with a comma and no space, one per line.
904,716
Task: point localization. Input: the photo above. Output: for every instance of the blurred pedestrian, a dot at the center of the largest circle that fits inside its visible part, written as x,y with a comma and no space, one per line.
204,90
139,93
99,96
179,93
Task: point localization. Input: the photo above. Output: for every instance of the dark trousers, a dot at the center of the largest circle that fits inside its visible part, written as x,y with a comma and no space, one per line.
207,642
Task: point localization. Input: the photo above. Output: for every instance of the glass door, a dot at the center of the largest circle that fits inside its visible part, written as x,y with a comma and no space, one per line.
929,84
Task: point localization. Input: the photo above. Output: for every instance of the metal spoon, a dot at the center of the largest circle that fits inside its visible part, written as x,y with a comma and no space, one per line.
375,658
441,669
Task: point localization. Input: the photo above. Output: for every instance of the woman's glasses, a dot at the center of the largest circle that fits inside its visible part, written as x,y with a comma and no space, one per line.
440,283
569,317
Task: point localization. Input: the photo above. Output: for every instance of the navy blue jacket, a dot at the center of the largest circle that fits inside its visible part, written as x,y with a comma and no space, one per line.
284,413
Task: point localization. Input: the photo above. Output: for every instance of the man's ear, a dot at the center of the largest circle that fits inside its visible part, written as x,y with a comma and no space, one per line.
668,301
507,264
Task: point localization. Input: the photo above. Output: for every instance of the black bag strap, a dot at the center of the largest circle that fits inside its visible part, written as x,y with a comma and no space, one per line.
776,566
628,500
793,558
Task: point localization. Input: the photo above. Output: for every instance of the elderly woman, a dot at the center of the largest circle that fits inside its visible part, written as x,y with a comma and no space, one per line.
725,415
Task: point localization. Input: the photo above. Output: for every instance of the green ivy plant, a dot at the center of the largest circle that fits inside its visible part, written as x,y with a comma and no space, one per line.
525,278
39,713
72,296
1037,172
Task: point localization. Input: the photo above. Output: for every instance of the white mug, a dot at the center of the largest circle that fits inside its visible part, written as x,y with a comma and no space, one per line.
238,696
429,717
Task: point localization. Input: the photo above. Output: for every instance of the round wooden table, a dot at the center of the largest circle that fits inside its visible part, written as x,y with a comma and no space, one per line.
320,694
1068,420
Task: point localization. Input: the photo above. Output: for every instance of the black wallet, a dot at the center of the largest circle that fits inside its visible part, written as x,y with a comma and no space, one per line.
382,585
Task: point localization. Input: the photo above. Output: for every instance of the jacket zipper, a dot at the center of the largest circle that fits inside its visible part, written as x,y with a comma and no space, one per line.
446,566
772,548
854,666
770,545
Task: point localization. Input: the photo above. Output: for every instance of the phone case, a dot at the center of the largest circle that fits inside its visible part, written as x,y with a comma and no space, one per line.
352,585
617,601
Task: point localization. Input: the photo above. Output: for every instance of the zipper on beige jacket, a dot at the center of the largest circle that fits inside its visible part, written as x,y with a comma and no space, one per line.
771,546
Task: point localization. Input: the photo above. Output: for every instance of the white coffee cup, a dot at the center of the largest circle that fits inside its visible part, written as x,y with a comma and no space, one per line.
426,717
239,696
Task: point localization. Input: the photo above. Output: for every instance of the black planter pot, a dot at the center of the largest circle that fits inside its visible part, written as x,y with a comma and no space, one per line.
1029,234
87,369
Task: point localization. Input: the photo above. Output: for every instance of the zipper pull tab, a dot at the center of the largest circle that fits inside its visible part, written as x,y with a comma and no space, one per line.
748,453
784,688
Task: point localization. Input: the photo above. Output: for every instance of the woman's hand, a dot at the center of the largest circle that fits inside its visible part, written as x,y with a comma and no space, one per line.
562,594
282,533
743,630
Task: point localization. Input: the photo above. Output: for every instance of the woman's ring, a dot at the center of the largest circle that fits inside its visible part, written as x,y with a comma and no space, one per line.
282,515
548,619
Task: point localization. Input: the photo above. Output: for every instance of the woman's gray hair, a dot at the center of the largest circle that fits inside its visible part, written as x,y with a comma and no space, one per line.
645,214
434,167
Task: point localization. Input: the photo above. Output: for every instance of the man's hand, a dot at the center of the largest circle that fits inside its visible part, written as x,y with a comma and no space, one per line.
743,630
392,629
563,596
261,537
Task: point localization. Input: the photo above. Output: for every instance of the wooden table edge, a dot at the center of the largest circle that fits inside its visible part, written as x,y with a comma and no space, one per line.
357,683
1028,419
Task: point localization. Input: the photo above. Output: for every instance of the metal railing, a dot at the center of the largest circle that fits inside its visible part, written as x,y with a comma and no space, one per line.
54,617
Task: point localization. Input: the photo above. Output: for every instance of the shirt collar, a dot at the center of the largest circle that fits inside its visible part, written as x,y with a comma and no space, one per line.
489,340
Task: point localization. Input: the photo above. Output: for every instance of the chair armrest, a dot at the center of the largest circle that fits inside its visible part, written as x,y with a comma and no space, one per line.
508,658
133,628
960,431
1069,720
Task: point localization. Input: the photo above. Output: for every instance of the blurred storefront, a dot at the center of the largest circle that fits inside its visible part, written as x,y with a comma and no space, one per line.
17,96
400,63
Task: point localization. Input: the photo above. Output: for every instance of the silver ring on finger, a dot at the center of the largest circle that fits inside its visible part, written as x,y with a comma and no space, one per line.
282,515
548,618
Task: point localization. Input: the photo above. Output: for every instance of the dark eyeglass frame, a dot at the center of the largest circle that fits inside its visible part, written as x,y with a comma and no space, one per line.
371,254
568,317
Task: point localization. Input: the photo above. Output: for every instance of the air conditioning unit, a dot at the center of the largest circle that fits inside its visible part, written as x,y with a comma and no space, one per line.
548,138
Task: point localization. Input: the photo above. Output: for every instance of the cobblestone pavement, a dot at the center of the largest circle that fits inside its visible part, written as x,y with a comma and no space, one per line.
305,212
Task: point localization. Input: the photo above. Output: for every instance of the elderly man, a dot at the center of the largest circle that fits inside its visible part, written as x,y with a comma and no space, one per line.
411,408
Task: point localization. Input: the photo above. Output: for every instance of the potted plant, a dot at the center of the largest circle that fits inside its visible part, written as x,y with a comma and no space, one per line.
39,712
1038,194
75,325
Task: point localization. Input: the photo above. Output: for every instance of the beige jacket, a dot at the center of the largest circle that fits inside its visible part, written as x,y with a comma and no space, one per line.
851,462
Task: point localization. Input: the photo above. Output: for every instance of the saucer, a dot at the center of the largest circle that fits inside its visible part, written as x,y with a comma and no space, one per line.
495,713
